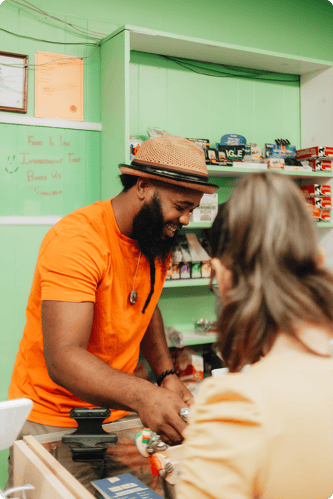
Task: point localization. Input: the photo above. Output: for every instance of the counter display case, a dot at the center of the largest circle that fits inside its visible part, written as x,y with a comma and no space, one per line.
36,463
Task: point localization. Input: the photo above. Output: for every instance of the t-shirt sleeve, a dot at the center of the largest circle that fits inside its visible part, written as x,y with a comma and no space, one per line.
71,265
224,444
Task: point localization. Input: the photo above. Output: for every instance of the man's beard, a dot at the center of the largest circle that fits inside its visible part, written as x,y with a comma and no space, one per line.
148,226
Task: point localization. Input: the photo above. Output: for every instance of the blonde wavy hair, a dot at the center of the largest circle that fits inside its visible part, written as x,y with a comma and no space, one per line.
264,234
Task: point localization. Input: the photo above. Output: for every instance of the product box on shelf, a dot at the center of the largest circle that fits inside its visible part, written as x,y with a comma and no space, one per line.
232,139
203,143
177,258
168,275
207,210
325,215
252,153
211,156
275,163
315,152
275,151
316,190
319,164
200,259
324,203
231,152
185,265
319,214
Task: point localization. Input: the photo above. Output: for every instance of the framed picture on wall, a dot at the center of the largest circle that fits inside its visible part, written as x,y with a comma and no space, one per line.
13,82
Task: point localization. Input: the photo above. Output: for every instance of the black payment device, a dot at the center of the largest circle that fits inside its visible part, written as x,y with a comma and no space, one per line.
90,441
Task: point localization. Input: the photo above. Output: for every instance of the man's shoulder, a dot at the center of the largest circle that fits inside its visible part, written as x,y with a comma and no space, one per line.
89,225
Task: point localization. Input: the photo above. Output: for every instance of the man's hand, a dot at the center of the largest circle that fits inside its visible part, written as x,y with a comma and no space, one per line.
173,383
159,411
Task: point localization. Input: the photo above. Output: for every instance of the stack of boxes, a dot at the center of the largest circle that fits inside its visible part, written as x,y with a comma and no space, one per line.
190,260
318,158
318,197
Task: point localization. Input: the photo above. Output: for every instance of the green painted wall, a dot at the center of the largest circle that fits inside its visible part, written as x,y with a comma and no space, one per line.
47,171
162,94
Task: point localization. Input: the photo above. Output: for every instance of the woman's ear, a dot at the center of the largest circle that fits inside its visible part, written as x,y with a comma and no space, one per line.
223,276
321,256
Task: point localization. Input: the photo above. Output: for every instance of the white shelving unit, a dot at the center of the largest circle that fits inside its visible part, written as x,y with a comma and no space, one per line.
316,104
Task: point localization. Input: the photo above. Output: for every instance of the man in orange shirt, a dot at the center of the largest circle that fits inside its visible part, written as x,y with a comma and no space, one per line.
93,302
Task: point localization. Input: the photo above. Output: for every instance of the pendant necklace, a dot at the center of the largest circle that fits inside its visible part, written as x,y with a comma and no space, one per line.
134,294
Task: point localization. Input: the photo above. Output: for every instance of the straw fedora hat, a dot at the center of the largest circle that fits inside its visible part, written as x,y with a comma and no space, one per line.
173,160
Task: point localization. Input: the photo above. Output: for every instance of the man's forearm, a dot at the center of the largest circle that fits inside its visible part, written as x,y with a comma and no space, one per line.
92,380
154,346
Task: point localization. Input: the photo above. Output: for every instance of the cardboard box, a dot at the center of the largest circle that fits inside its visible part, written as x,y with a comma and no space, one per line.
316,190
211,156
324,203
319,164
275,162
275,151
325,215
315,152
252,153
169,272
234,153
199,256
319,214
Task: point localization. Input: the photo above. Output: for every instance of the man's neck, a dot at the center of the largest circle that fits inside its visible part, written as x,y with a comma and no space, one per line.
124,211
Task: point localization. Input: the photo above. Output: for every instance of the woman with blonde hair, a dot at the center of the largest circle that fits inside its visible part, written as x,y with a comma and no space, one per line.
265,429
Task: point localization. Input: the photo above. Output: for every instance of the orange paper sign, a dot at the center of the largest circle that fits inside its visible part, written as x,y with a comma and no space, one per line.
58,86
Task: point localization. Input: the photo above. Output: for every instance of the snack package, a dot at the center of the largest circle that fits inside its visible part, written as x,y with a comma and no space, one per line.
207,210
315,152
324,203
189,364
275,163
319,164
199,256
252,153
210,155
232,139
233,153
275,151
316,190
203,143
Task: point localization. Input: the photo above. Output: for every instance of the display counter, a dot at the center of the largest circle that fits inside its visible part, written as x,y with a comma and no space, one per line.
36,462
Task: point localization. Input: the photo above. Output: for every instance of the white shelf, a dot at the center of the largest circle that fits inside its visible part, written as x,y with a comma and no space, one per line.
193,338
159,42
230,171
185,283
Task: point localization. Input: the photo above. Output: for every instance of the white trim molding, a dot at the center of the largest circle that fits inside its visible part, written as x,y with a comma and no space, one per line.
45,122
33,221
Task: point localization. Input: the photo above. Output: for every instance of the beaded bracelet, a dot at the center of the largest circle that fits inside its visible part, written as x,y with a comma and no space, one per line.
163,375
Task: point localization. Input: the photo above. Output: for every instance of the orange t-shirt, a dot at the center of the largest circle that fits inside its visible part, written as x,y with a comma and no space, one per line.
84,257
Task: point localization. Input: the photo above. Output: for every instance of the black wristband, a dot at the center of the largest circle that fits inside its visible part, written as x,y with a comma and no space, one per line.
163,375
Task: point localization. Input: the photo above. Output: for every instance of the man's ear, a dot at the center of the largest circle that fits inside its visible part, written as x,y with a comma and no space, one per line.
321,258
144,188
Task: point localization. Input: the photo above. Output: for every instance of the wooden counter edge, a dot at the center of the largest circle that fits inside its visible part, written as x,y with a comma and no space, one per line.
64,476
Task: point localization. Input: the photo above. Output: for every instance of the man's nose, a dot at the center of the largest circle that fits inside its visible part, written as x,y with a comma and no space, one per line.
184,219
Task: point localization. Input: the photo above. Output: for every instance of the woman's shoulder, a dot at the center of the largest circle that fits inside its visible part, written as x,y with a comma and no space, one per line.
277,374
